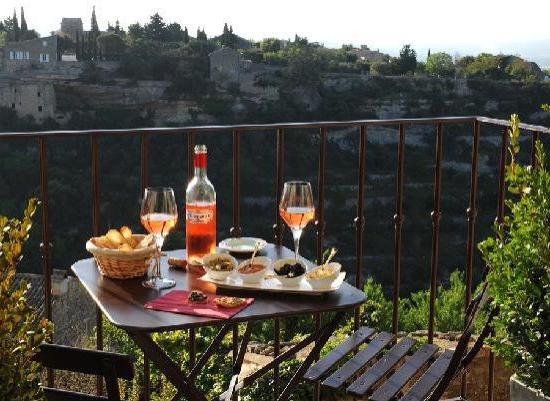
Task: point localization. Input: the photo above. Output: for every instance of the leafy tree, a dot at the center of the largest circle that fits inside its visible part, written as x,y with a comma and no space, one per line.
156,28
22,331
174,33
406,62
519,278
380,68
305,65
440,65
486,66
135,32
111,46
522,70
270,45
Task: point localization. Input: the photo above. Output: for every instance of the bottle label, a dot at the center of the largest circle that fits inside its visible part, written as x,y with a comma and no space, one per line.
197,215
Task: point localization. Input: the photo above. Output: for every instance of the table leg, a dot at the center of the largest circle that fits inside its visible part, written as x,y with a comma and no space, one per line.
319,344
167,366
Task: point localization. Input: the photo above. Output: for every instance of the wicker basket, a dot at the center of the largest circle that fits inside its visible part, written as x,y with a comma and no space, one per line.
117,264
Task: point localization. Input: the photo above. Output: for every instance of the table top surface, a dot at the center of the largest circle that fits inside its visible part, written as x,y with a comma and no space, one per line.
122,300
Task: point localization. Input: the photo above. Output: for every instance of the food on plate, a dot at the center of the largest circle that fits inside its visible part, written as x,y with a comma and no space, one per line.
122,240
219,265
251,268
321,272
181,263
290,270
229,302
197,297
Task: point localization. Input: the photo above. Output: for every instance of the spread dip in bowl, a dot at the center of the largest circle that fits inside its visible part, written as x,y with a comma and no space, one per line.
253,271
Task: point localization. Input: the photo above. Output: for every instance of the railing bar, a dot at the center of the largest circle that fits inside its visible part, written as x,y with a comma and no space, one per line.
534,139
96,224
320,224
276,352
236,229
269,127
435,215
144,180
360,219
279,226
471,217
192,345
398,223
45,245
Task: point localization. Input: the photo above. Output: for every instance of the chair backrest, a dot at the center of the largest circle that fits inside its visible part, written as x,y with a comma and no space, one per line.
462,356
111,366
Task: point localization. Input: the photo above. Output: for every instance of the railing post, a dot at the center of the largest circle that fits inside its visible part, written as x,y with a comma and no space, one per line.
46,244
96,223
435,215
278,227
398,224
360,220
534,139
144,176
471,217
236,229
320,227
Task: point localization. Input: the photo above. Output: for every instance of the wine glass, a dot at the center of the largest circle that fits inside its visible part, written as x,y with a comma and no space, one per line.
297,209
159,215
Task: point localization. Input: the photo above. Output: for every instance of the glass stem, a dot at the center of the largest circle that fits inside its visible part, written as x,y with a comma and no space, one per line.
159,240
296,234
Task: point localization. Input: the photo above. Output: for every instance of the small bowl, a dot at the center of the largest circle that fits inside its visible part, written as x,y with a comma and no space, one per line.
288,281
325,282
251,278
217,274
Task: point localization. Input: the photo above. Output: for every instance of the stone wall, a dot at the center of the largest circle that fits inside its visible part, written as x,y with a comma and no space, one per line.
35,98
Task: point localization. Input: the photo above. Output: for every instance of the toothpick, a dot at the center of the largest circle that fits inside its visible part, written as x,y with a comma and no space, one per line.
330,256
256,248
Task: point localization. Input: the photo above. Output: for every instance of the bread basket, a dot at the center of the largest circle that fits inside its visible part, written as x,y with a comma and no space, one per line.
114,263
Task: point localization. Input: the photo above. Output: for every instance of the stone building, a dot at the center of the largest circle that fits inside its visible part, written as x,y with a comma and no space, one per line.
225,66
33,97
72,26
371,56
30,53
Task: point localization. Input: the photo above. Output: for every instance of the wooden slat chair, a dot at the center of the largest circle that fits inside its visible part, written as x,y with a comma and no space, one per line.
111,366
390,371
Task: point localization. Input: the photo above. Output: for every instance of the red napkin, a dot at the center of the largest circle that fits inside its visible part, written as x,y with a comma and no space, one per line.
176,301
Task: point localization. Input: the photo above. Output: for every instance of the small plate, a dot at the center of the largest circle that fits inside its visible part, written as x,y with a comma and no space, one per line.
242,244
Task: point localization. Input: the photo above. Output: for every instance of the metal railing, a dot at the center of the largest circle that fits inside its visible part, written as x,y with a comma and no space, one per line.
362,127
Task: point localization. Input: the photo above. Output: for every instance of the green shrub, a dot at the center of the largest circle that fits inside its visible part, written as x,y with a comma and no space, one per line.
518,256
21,330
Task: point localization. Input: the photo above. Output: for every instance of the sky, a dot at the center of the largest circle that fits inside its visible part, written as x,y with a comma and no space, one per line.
457,27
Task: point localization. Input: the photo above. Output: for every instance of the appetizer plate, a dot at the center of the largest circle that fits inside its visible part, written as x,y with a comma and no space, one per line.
270,284
242,244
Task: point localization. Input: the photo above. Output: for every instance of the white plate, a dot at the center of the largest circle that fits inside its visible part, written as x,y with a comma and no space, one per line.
273,285
242,244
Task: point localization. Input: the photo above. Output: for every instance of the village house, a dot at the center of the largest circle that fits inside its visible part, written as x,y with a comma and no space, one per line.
71,27
27,54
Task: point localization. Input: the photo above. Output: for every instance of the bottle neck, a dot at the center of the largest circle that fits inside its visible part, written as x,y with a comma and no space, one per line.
200,165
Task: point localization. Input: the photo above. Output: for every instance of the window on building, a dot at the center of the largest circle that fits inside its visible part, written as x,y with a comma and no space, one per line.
38,94
40,109
13,105
44,58
12,55
27,56
44,43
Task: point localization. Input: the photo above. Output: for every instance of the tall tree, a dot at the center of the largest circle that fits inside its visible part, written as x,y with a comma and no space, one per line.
185,37
23,22
15,27
156,28
77,49
93,25
407,60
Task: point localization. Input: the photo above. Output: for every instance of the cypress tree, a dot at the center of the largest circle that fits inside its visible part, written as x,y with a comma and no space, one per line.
15,27
185,35
77,51
23,23
94,27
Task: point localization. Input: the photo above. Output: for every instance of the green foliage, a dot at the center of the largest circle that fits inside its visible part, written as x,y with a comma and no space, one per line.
440,65
414,310
21,331
406,62
262,389
111,46
518,256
